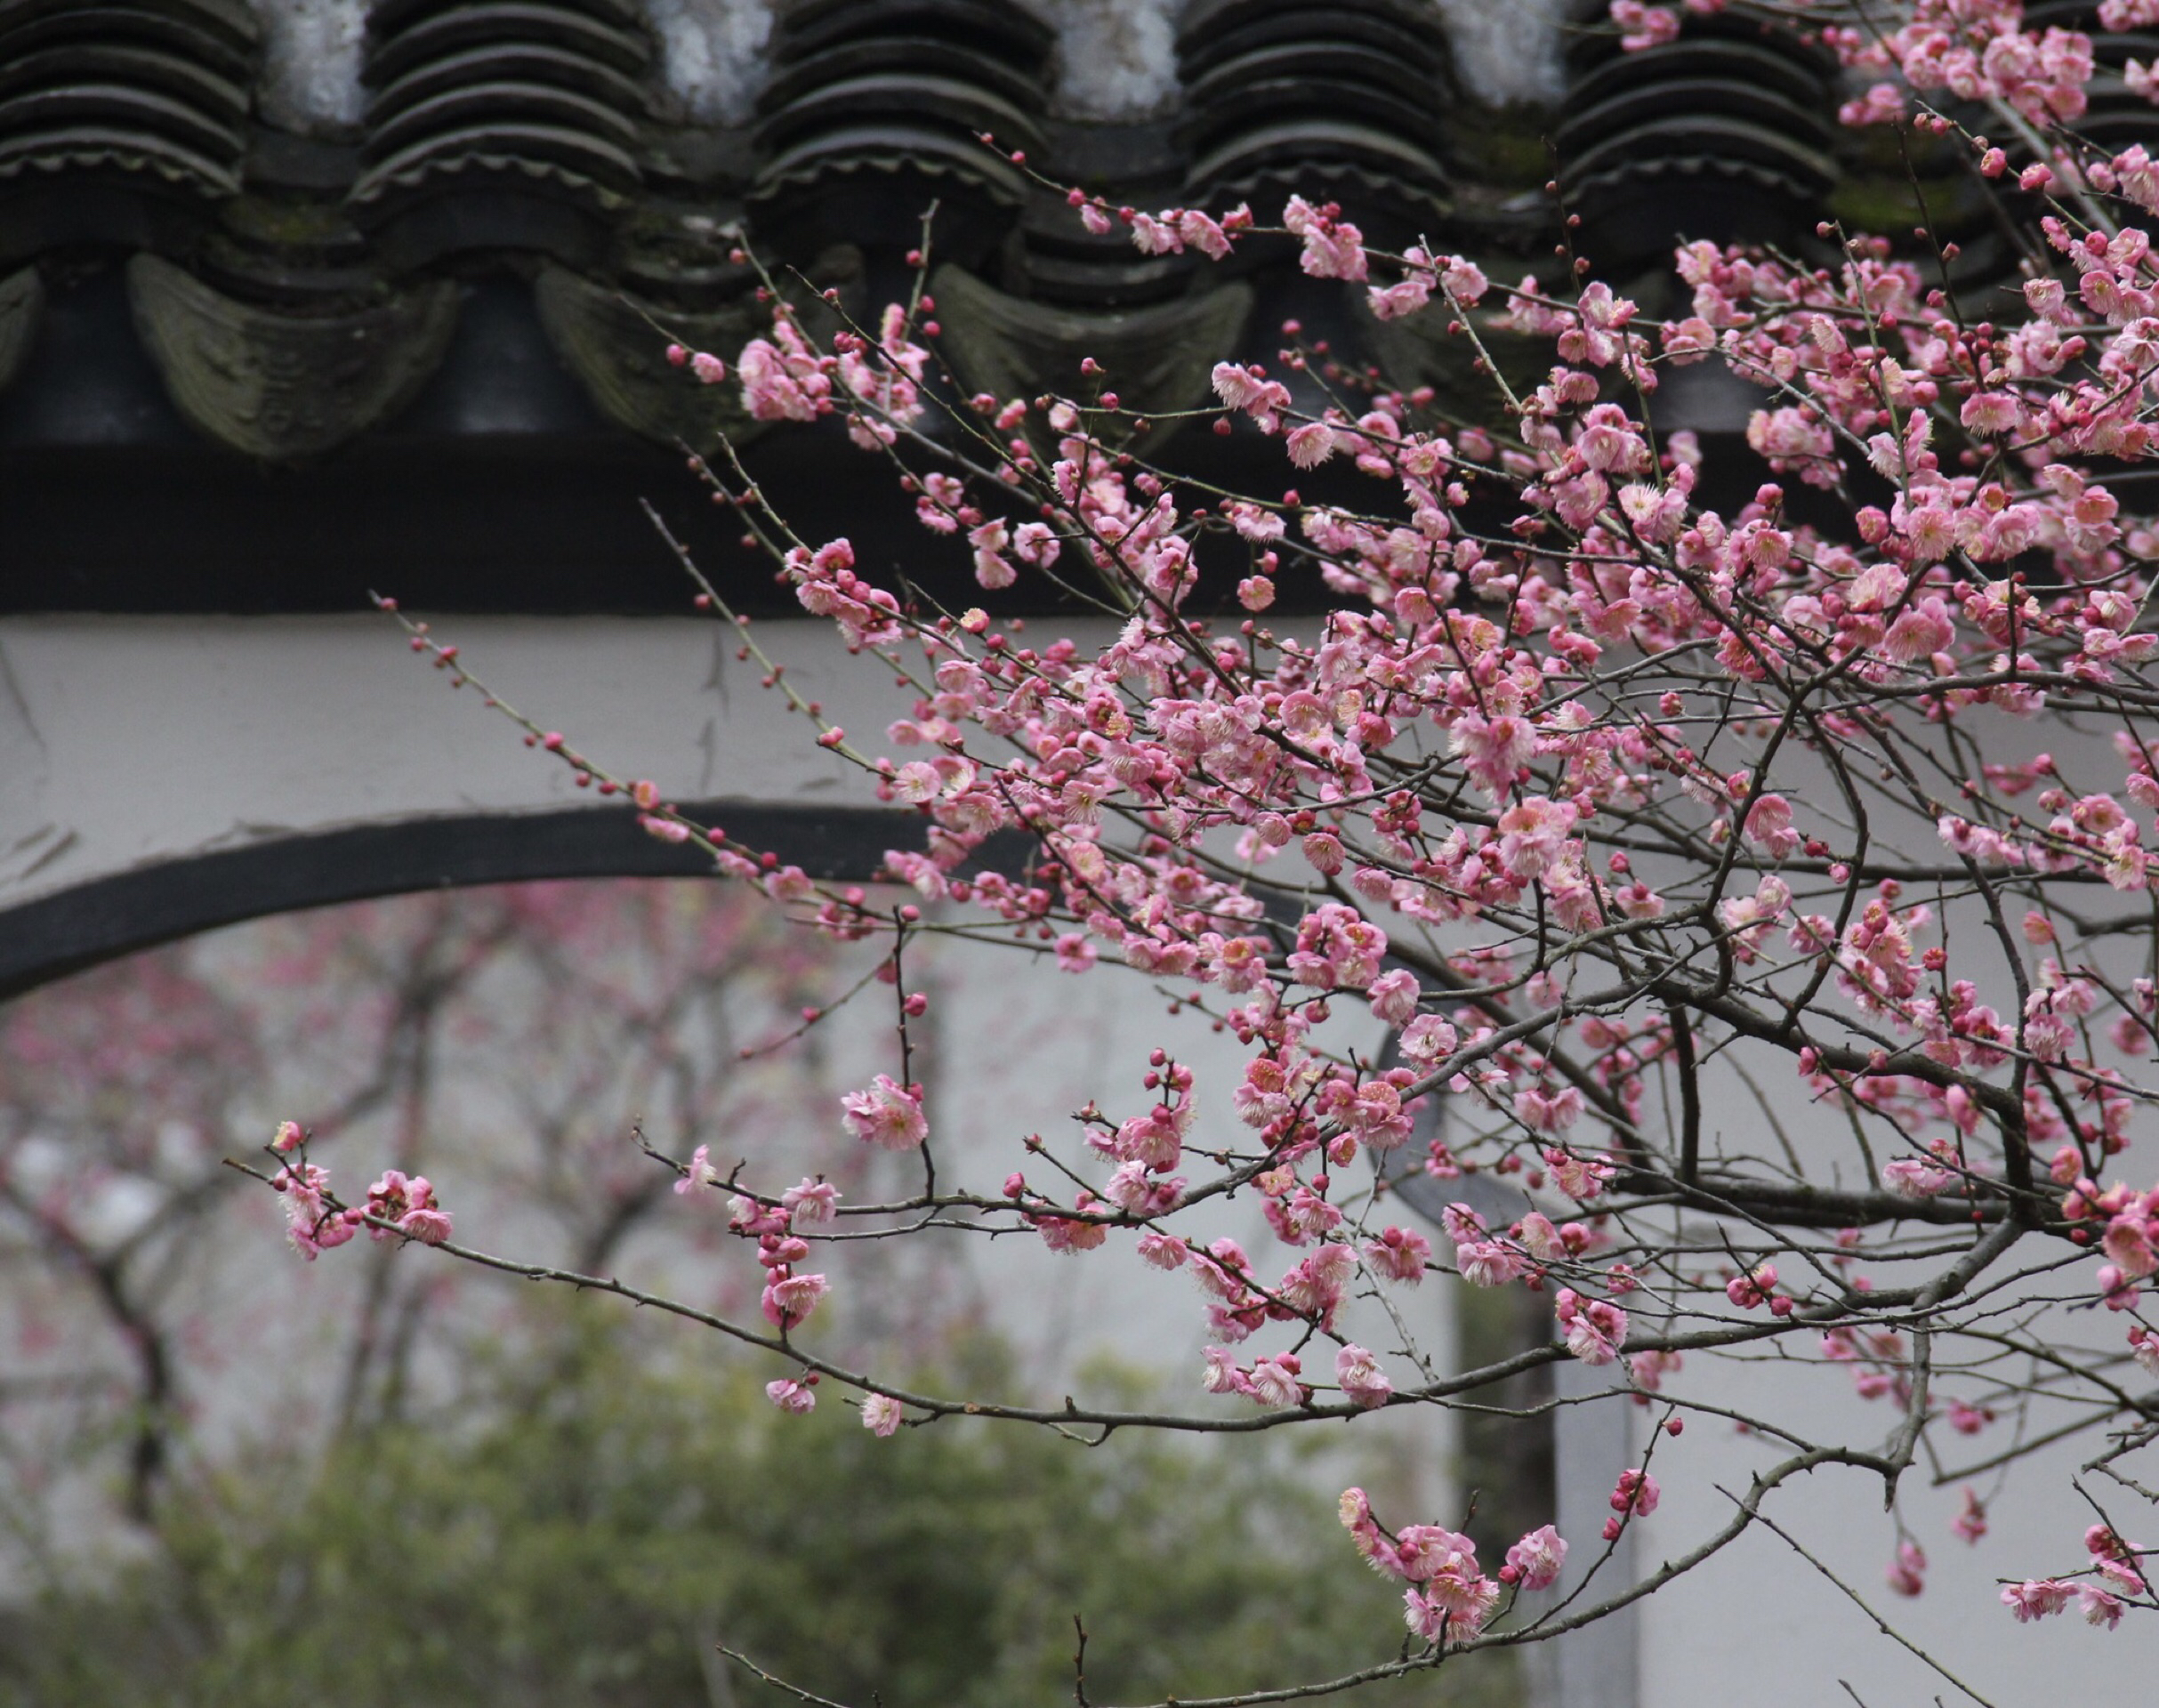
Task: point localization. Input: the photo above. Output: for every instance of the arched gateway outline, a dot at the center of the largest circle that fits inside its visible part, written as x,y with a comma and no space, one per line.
107,917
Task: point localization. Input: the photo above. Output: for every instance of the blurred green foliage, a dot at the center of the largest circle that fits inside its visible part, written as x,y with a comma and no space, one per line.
583,1527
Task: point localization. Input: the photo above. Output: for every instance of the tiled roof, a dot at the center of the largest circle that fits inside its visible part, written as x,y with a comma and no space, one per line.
294,189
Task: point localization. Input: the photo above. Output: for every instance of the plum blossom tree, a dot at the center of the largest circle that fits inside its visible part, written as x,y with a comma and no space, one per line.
1605,803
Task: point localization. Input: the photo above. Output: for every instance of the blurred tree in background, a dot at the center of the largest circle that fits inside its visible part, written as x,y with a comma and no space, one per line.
231,1480
582,1529
513,1036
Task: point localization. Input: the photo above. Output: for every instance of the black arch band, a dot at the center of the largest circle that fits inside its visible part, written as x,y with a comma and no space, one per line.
107,917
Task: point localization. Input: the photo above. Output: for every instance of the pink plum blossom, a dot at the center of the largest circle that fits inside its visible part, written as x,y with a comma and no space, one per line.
700,1175
794,1396
888,1115
1536,1560
1362,1382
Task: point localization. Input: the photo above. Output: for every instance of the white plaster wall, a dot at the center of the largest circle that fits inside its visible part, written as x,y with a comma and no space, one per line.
1758,1625
127,740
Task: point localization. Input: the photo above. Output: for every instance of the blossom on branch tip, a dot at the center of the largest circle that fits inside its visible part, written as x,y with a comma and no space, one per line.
1362,1380
789,1299
1245,388
1487,1263
1429,1039
1493,750
1400,1254
782,378
1913,1177
311,1224
1635,1492
796,1397
1334,248
1534,1562
1453,1603
1072,1233
1273,1380
1756,1287
1580,1178
407,1201
1594,1330
1311,444
2099,1607
700,1176
1907,1573
426,1223
2037,1599
811,1202
1394,997
1163,1251
1222,1374
1644,26
887,1114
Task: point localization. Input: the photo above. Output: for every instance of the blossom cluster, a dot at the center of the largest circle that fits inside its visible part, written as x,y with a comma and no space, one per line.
398,1205
1449,1599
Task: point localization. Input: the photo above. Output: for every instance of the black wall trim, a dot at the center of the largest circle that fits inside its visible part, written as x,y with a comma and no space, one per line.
108,917
500,489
